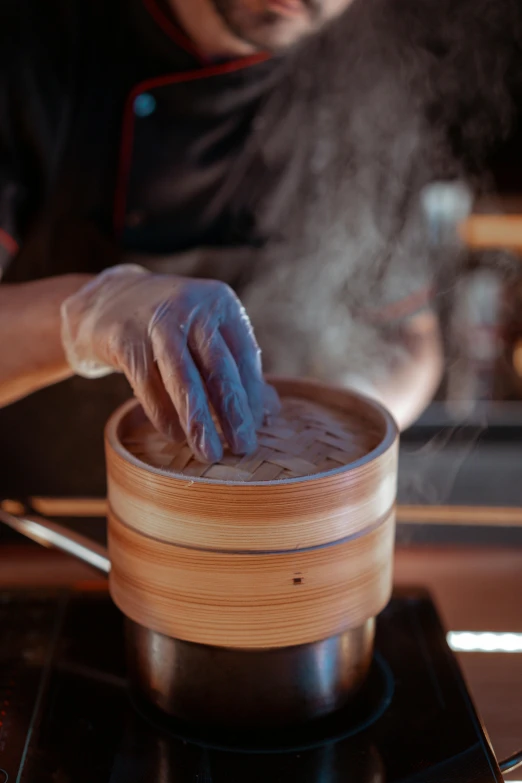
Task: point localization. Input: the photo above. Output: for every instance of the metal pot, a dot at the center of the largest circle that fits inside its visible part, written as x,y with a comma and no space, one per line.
217,685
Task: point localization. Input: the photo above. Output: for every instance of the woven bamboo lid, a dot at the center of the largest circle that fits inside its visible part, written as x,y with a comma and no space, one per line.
305,439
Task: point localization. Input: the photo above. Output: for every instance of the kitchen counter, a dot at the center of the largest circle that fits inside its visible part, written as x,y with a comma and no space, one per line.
478,590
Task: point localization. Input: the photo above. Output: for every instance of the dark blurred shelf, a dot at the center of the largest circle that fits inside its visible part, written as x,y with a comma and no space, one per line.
459,536
473,462
499,420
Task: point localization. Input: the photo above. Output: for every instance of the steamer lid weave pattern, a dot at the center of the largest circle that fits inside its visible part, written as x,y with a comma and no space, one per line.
305,439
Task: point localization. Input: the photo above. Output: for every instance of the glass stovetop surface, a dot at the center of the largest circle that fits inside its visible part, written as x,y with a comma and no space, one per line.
67,716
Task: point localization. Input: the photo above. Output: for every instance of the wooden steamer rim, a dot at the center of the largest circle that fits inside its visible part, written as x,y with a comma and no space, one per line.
254,564
344,400
331,505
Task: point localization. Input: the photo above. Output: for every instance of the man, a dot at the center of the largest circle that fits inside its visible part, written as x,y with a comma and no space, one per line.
154,152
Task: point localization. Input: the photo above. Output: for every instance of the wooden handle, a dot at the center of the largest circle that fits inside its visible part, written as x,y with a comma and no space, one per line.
483,232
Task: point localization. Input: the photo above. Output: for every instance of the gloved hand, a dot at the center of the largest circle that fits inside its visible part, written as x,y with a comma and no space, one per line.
181,343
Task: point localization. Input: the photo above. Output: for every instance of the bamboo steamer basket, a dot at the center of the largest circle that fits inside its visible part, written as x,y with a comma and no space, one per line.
240,580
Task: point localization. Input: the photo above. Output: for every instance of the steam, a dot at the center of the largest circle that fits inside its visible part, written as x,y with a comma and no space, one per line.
424,478
395,95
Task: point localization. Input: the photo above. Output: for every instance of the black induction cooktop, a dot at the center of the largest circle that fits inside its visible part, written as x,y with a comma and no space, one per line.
66,715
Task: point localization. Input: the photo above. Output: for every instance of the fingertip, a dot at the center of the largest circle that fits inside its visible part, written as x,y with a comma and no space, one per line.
244,442
212,453
175,432
163,424
255,397
236,417
168,426
205,443
271,402
207,454
258,414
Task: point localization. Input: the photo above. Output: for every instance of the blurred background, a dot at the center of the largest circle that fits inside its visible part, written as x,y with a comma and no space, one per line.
460,478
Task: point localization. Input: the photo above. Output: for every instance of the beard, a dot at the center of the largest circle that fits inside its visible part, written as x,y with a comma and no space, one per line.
266,29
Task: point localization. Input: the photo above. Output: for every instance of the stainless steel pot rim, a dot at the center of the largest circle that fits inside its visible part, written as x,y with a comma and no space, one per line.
369,625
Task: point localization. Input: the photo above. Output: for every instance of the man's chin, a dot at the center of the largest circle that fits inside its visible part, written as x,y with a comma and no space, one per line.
275,42
281,39
272,33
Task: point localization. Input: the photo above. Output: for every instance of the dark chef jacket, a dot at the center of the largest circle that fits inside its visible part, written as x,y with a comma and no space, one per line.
110,120
117,138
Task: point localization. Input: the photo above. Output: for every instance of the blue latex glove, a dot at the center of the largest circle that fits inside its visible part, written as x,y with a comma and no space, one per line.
181,343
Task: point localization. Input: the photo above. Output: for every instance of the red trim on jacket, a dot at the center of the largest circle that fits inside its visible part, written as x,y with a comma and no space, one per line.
170,29
8,242
127,140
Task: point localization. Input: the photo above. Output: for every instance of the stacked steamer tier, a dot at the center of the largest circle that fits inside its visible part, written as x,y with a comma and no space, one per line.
285,554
